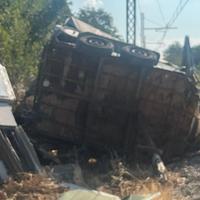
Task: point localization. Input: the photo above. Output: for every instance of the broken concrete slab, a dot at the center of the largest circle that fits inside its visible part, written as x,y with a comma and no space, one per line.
83,194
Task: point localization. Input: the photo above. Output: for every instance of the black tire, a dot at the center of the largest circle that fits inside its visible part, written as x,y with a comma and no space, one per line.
95,45
140,55
63,39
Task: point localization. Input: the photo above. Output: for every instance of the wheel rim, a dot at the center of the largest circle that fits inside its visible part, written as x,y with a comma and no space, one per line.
96,42
142,53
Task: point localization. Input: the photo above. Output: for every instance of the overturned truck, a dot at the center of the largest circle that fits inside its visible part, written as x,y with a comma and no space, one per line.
97,90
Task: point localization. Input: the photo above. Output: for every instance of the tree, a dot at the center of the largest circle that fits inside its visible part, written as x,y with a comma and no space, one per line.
173,53
25,26
100,19
46,16
196,54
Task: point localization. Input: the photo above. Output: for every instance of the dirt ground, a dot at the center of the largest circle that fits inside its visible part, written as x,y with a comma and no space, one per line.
111,175
115,177
106,173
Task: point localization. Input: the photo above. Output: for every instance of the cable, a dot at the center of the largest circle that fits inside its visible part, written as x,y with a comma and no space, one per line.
153,22
147,19
161,11
181,5
178,11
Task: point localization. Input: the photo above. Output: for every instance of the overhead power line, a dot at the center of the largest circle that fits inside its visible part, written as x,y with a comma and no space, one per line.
181,5
144,28
152,21
178,11
161,11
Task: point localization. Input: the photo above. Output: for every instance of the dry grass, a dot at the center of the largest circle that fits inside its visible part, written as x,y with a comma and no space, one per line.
30,187
119,181
123,182
142,187
145,187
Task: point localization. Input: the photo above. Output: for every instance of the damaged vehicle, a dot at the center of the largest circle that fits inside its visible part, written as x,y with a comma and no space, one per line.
94,89
16,151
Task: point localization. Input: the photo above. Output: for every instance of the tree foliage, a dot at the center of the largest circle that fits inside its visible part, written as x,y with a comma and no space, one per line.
100,19
173,54
24,29
26,25
196,54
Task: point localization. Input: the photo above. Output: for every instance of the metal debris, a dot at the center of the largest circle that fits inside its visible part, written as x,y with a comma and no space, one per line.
16,151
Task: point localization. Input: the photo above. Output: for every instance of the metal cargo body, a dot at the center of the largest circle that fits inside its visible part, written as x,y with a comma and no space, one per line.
114,100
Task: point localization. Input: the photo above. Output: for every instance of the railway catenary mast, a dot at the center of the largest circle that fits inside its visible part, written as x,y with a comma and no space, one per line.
131,21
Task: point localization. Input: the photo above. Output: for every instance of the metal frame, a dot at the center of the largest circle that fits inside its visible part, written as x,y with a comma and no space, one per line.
131,21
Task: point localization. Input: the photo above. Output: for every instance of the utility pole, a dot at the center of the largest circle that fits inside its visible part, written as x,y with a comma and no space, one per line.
143,39
131,21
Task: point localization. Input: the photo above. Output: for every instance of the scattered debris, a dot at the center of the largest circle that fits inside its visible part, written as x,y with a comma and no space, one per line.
159,167
16,151
117,179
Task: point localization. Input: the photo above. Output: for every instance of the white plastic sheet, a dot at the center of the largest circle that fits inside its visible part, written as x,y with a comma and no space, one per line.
6,90
6,116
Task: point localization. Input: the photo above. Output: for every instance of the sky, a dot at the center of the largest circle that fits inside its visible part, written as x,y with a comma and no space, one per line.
188,22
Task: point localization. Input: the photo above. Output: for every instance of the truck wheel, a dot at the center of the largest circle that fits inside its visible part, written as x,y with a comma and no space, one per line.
64,39
140,55
95,45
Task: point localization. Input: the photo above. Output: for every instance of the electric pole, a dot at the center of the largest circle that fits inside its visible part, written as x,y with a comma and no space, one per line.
131,21
143,39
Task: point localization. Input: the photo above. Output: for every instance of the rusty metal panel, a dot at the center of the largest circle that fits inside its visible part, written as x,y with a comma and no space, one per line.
112,103
64,101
